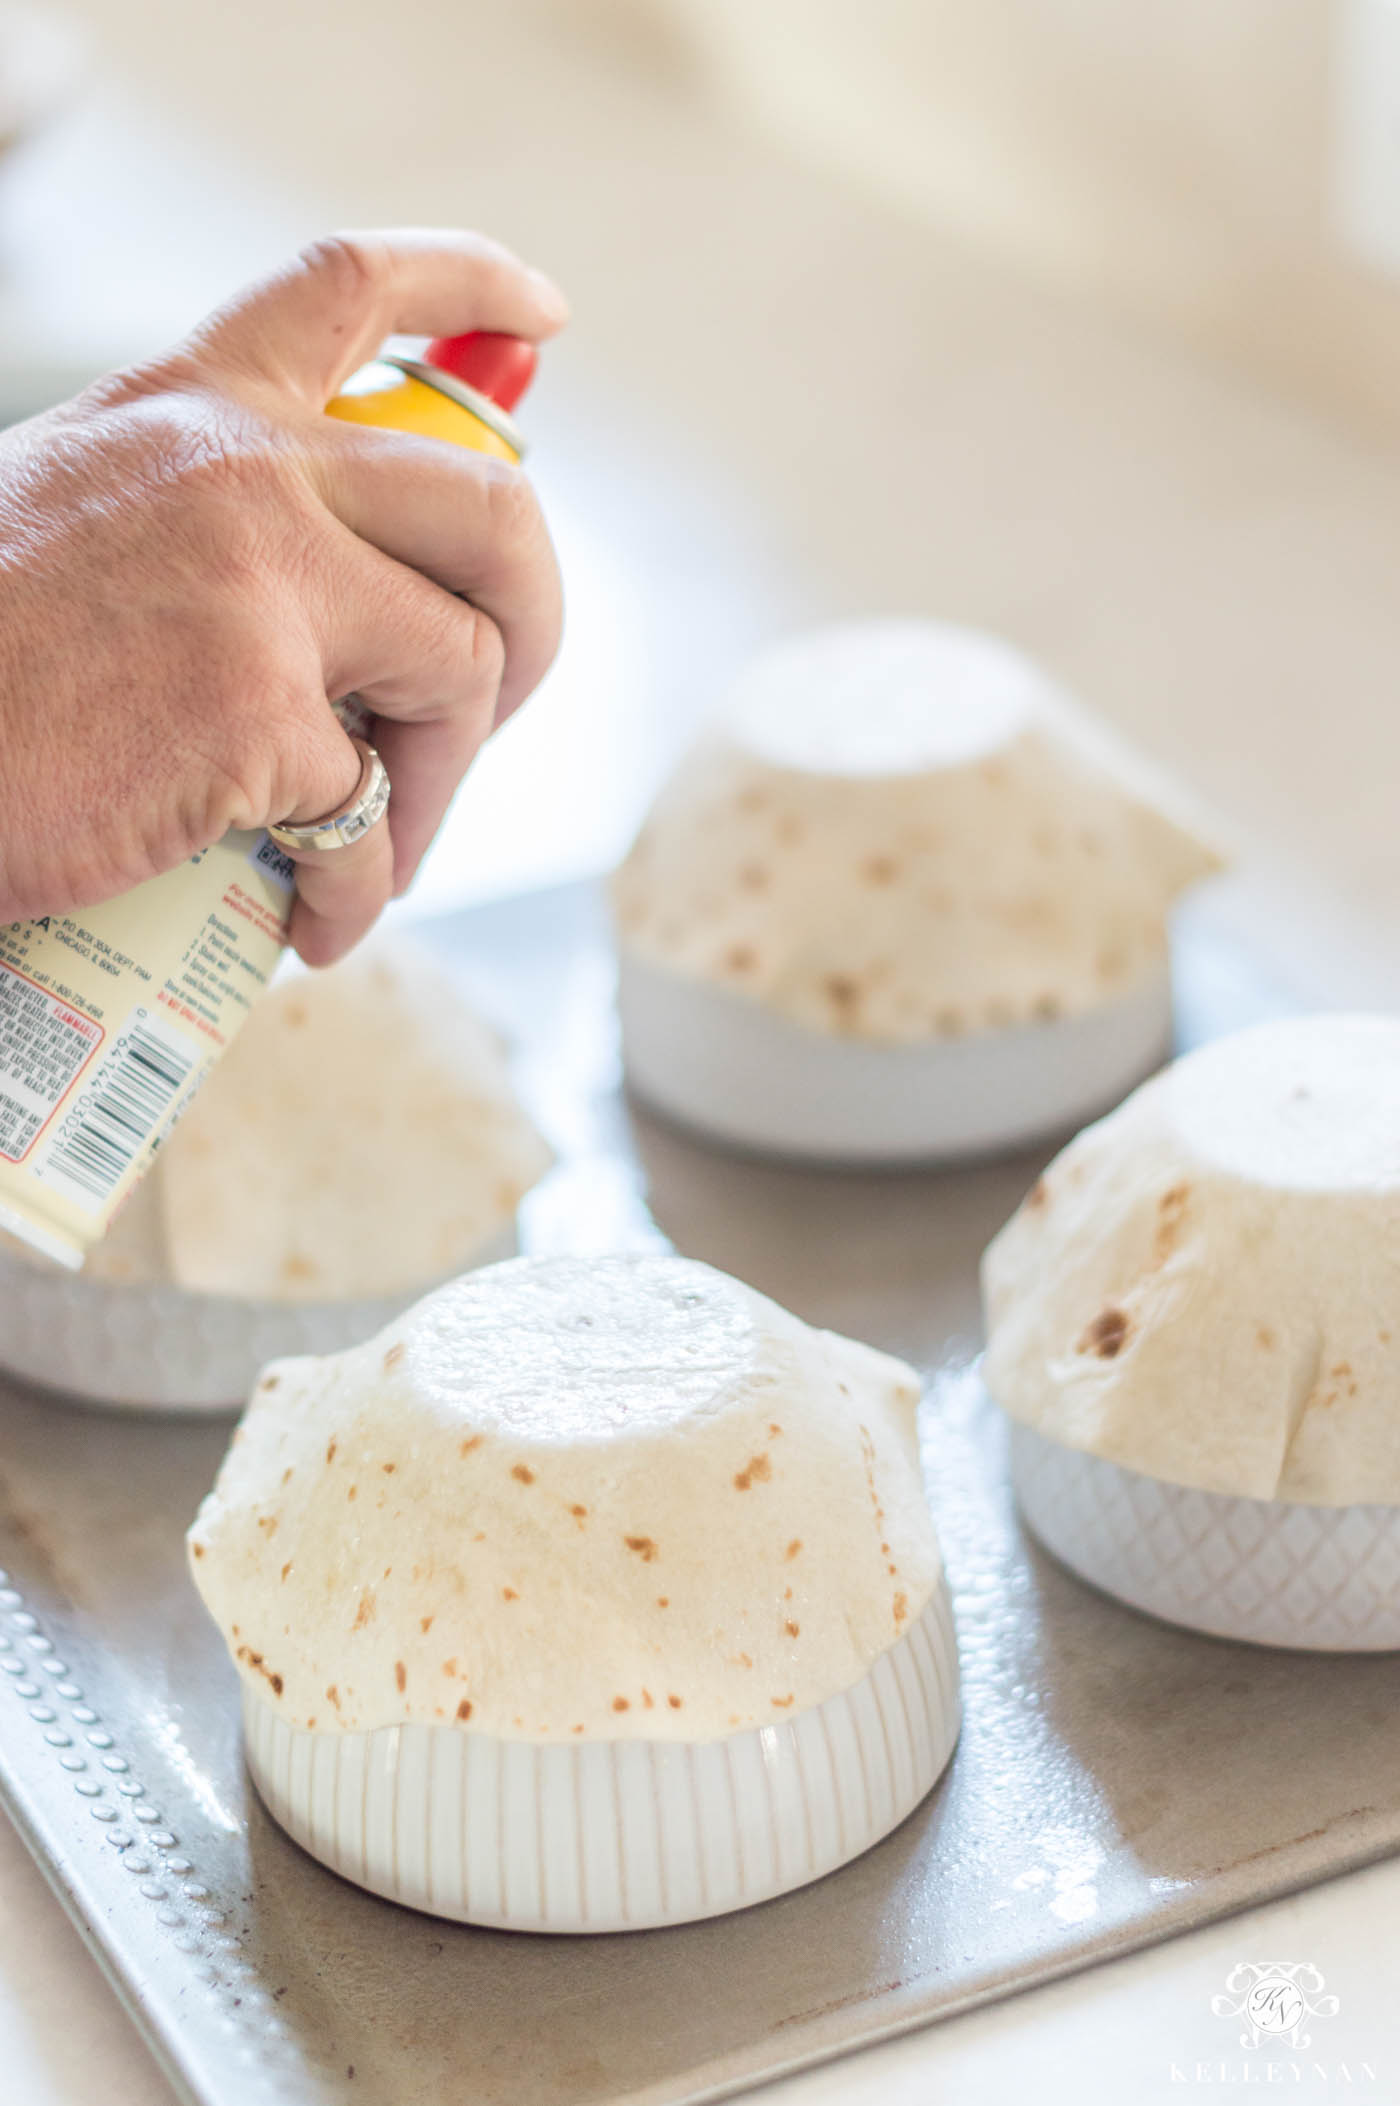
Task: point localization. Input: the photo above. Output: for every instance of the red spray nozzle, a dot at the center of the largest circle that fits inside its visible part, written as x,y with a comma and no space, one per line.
499,367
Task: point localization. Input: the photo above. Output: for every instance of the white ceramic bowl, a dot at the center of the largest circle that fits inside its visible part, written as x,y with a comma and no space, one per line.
1319,1578
162,1348
742,1072
624,1834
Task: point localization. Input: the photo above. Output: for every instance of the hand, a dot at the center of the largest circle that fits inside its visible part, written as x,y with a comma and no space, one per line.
195,563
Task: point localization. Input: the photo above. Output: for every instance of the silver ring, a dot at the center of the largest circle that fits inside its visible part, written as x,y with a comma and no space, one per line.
362,809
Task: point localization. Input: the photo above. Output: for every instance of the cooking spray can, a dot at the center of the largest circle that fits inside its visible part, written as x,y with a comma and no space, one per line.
112,1016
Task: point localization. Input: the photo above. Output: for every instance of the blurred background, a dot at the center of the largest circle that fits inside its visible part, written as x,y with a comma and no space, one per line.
1074,320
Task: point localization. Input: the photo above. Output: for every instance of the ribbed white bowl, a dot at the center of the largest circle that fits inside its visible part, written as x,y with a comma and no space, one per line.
624,1834
1320,1578
137,1348
746,1074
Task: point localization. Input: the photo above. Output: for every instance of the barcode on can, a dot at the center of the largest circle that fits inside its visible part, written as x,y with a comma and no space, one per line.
120,1113
269,858
44,1043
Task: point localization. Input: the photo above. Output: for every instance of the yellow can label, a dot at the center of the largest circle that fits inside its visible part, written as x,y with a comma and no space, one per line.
110,1019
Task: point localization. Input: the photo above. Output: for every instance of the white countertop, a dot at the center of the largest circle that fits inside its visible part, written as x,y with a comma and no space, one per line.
1215,572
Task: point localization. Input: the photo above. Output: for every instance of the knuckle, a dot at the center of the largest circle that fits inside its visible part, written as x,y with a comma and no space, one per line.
486,651
512,508
357,266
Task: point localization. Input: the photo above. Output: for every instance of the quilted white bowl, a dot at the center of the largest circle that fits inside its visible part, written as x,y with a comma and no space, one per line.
1319,1578
143,1348
616,1835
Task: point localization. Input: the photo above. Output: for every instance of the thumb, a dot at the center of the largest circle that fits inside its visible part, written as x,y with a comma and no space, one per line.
311,323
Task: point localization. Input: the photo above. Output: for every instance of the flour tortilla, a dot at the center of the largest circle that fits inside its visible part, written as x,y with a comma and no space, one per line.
901,831
359,1138
1205,1286
572,1498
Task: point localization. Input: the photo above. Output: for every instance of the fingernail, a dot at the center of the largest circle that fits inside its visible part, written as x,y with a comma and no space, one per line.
550,297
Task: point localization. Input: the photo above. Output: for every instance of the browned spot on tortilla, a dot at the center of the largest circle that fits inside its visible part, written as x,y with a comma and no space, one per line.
843,993
793,1547
400,1676
643,1546
757,1470
286,1568
1038,1195
879,870
259,1666
949,1023
674,1702
509,1594
781,1703
293,1015
1171,1208
388,1468
473,1441
365,1610
752,800
648,1700
464,1710
580,1513
297,1267
287,1474
753,877
1107,1334
576,1729
1112,963
740,958
393,1356
268,1524
330,1450
791,830
425,1624
620,1703
353,1493
1342,1370
522,1473
269,1382
901,1607
1264,1337
1384,1337
773,1431
787,1594
663,1601
742,1660
1045,1008
197,1550
333,1696
793,1630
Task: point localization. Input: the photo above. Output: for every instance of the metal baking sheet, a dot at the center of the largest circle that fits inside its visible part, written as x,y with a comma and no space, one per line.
1116,1782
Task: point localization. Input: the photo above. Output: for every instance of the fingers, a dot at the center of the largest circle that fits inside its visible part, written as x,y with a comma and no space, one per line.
342,891
340,896
310,324
470,523
429,667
